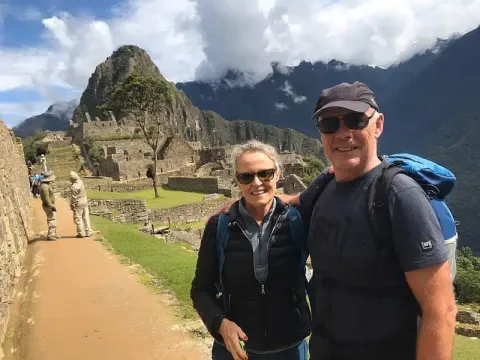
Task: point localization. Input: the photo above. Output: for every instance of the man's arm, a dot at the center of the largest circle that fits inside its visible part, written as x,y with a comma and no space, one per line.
292,200
432,286
422,254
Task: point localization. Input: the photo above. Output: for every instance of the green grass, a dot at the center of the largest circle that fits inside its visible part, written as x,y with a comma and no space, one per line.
170,265
168,197
466,348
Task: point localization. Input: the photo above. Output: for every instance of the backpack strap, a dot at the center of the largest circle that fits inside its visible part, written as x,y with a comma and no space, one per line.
298,235
307,211
221,239
379,214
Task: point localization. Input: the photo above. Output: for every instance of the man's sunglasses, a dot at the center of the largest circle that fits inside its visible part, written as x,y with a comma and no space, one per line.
247,177
352,120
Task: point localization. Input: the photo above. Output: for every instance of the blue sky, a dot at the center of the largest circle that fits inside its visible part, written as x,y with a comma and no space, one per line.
49,48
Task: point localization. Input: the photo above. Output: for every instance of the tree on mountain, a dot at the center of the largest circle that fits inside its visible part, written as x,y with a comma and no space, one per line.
150,101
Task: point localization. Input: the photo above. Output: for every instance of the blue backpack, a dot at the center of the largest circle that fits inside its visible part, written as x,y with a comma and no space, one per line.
297,230
435,180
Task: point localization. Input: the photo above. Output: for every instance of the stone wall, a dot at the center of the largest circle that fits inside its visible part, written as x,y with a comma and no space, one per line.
208,185
14,217
467,331
124,147
177,148
468,317
128,210
104,129
140,184
59,144
128,159
99,130
187,213
293,185
212,155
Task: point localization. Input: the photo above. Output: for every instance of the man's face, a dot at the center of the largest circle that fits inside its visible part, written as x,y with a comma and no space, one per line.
350,151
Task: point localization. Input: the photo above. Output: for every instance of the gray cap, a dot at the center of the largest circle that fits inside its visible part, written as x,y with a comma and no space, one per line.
355,97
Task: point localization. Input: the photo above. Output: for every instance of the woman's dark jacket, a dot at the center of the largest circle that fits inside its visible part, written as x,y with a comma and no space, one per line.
274,320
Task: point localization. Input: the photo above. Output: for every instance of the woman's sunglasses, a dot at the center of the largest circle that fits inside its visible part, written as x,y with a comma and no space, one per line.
352,120
247,177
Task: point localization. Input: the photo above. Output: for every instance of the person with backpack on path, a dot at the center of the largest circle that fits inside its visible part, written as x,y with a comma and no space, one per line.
250,284
381,286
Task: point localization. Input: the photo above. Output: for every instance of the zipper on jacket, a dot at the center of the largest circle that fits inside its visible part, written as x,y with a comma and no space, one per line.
262,284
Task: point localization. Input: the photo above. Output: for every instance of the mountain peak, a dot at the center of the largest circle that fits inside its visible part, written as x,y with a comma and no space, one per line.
122,63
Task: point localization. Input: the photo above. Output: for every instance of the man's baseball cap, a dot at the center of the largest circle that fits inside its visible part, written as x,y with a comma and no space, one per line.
355,97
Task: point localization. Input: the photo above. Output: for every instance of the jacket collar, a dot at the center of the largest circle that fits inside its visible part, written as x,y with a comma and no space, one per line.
280,208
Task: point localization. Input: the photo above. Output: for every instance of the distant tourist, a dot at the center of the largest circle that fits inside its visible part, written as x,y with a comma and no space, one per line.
79,206
250,284
43,162
48,204
36,181
373,277
30,168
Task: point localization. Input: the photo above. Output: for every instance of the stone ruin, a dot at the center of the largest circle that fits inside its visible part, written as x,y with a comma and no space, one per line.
125,156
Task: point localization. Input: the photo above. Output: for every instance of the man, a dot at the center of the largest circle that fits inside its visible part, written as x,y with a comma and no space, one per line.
366,303
79,206
48,204
43,161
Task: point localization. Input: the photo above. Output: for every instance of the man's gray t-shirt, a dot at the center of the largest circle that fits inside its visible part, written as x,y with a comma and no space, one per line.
339,222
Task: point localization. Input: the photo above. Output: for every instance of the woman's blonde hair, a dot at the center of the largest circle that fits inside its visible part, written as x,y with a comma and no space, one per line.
255,146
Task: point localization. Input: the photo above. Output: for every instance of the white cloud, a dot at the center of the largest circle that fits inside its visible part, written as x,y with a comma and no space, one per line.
166,29
204,38
19,66
280,106
287,89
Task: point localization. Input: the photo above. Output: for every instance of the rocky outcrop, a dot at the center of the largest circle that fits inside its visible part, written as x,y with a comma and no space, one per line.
14,217
468,317
206,127
116,69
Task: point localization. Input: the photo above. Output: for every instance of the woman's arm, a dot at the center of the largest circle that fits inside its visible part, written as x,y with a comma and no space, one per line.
203,291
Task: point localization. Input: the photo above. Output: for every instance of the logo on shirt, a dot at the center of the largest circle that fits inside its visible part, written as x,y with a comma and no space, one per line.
426,245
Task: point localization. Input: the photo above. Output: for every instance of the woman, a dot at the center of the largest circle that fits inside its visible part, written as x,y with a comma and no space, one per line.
262,304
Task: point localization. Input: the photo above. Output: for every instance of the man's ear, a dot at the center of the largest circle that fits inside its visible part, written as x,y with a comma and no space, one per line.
379,125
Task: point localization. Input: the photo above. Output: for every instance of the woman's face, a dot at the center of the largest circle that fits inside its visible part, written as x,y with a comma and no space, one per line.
257,178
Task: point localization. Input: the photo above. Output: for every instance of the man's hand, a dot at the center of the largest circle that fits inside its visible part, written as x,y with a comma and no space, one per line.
225,207
231,334
291,200
72,207
53,208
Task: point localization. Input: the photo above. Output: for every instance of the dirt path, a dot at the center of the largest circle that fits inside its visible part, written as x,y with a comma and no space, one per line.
77,301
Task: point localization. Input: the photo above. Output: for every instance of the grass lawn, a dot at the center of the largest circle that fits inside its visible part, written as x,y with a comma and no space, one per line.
171,266
466,348
168,197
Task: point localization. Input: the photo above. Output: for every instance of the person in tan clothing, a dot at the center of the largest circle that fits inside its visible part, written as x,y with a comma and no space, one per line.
48,204
79,206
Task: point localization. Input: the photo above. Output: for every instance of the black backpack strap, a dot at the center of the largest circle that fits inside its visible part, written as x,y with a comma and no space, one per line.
378,207
307,211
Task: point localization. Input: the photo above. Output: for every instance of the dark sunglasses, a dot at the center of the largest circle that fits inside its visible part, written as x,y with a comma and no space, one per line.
352,120
247,177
